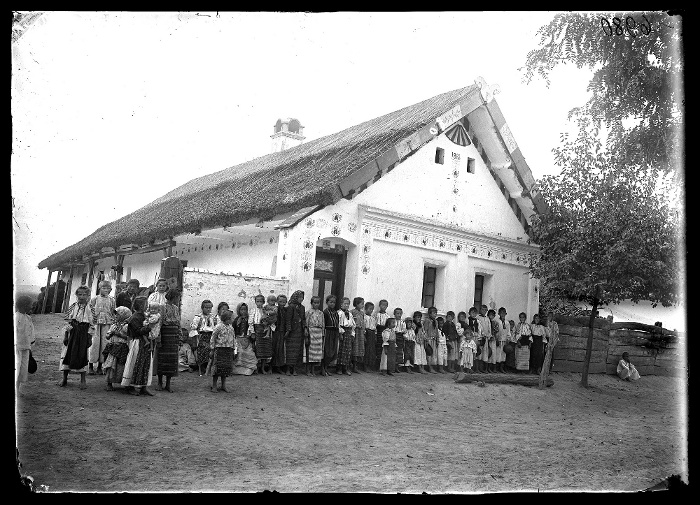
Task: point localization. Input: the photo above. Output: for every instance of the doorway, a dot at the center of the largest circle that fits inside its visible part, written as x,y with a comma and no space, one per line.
329,273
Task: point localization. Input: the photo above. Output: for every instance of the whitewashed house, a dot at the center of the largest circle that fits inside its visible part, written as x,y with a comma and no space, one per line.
428,205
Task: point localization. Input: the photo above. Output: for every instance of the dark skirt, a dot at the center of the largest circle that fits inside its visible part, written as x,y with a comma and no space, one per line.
409,351
509,350
222,361
277,348
119,350
293,346
345,350
203,350
399,349
263,342
370,348
330,344
167,358
390,356
142,366
77,352
536,352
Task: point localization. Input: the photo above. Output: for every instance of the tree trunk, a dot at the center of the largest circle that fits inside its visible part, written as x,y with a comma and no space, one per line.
589,342
544,374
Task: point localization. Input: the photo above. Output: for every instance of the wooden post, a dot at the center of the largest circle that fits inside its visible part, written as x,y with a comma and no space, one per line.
66,296
46,292
90,275
55,291
120,263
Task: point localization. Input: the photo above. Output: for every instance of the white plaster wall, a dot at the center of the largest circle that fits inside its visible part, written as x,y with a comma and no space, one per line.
507,286
232,289
421,187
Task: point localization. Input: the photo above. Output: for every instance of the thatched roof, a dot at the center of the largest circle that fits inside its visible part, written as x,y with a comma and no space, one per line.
306,175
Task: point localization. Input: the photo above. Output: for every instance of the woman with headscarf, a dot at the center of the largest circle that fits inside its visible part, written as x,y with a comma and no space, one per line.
246,363
295,324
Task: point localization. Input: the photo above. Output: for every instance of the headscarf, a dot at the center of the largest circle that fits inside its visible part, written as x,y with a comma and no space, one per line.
295,297
123,313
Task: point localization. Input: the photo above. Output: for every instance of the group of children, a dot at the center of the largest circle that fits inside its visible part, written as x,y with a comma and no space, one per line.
132,344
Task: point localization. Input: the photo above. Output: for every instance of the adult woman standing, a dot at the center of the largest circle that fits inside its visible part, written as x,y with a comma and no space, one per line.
156,303
537,347
295,323
278,335
167,351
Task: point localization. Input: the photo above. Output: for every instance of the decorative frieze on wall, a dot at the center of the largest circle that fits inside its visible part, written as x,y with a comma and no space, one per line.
439,242
322,224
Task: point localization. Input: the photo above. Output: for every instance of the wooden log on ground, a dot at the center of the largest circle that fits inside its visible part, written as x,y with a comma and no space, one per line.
502,378
582,331
577,366
581,321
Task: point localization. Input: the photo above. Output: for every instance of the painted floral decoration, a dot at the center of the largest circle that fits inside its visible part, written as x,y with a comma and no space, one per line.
335,231
352,227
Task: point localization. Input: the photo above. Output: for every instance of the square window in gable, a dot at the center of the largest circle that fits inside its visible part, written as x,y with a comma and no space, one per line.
440,155
471,165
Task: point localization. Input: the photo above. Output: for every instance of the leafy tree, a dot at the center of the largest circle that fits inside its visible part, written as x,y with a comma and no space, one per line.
636,89
610,233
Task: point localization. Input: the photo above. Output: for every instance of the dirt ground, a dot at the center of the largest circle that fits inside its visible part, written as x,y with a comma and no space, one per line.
368,433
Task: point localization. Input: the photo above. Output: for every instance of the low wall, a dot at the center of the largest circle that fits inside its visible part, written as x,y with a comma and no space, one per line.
199,285
652,350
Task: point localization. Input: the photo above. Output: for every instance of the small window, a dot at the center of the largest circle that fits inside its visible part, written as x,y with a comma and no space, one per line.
478,291
471,165
428,297
440,156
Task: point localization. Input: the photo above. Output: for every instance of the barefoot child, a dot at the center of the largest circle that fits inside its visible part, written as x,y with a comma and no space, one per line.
223,350
77,337
358,346
626,370
399,332
523,336
430,327
269,322
278,351
503,337
381,315
449,328
331,334
441,348
347,331
370,337
167,350
475,328
201,329
118,347
468,349
24,339
258,328
138,370
494,347
419,358
409,345
103,306
388,360
314,323
484,338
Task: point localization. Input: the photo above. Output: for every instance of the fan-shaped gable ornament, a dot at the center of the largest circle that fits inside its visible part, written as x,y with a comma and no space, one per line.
458,135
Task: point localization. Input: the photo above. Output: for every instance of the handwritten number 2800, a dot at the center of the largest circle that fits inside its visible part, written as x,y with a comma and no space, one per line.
629,26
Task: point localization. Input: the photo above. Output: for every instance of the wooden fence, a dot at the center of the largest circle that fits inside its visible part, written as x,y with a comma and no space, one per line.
652,350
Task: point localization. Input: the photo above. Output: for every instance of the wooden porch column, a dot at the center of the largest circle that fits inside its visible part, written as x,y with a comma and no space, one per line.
66,296
120,262
92,271
55,291
46,292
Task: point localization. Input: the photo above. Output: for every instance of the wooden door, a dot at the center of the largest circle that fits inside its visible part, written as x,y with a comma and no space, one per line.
329,274
171,269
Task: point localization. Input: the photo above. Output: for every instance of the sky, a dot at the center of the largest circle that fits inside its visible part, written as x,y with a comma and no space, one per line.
112,110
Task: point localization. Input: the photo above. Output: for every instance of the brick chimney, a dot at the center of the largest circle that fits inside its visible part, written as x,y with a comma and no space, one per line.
287,133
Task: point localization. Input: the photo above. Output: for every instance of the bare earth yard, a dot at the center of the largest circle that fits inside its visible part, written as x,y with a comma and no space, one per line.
408,433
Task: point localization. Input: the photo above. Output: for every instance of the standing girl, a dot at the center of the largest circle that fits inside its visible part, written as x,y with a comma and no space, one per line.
346,329
475,328
269,322
278,335
24,339
223,350
381,317
103,306
77,337
295,323
358,346
441,348
166,351
370,337
419,358
201,329
245,363
138,370
409,344
258,328
450,331
399,331
537,346
314,322
388,360
331,331
503,338
523,335
431,329
468,349
118,348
